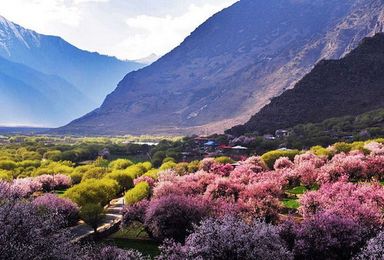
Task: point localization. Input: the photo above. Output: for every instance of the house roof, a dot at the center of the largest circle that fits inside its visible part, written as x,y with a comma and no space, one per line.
239,148
210,143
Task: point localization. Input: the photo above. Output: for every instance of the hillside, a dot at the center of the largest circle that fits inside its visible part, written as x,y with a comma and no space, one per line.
334,88
231,66
92,74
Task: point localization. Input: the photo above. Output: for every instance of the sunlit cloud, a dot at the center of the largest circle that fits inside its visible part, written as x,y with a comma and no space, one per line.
128,29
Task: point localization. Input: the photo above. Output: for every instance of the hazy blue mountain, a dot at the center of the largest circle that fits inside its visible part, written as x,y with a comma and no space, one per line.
232,65
93,74
29,97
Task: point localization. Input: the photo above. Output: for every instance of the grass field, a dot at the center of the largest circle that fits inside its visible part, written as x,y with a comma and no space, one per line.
133,238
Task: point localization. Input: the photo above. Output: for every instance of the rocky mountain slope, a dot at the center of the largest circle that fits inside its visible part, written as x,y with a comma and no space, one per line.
92,74
232,65
334,88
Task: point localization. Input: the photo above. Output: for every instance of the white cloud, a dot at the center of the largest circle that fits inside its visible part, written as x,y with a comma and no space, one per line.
128,29
156,33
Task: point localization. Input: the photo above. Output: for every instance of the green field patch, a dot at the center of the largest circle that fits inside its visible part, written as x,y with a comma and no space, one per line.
291,203
134,238
147,247
298,190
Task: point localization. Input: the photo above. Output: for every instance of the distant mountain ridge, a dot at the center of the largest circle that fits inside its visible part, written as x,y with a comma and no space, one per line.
334,88
30,97
232,65
91,74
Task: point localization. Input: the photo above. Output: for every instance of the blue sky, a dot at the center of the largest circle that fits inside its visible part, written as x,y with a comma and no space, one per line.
128,29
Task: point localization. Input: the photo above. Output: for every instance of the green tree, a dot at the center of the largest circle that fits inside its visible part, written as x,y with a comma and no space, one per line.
93,215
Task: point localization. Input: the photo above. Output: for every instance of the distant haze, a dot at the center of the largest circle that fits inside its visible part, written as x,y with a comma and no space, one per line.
128,29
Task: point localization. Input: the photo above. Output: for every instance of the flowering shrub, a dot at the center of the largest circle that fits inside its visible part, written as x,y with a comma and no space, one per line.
373,250
270,157
255,163
145,178
342,166
168,217
283,163
50,182
64,207
307,173
26,186
223,188
329,236
375,167
206,164
114,253
222,169
375,148
228,238
309,157
363,203
28,233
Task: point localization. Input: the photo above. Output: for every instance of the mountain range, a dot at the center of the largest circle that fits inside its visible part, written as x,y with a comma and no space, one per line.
334,88
232,65
51,81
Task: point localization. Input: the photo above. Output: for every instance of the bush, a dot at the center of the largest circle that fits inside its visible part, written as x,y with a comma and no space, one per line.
94,173
76,177
137,193
361,202
123,179
120,164
170,216
29,163
373,250
135,171
147,165
114,253
93,191
173,216
29,233
329,236
342,147
270,157
64,207
92,214
51,182
224,160
7,165
181,168
53,155
193,166
321,151
167,165
229,238
152,174
168,159
5,175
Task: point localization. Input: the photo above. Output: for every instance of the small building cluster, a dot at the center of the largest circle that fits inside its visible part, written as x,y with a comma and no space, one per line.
210,148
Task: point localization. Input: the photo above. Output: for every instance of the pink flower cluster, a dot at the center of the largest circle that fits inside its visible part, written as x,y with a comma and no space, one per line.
375,148
64,207
363,203
26,186
255,190
147,179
